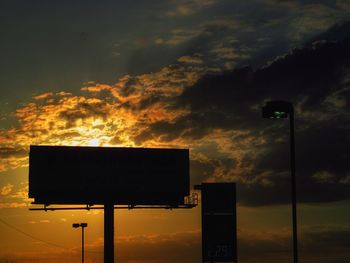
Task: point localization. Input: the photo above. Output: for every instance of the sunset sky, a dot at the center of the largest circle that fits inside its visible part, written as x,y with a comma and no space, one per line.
185,74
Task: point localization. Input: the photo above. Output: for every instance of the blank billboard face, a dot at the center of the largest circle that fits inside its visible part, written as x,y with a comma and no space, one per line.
97,175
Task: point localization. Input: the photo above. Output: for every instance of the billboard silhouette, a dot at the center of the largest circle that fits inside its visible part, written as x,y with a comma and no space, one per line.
97,175
219,226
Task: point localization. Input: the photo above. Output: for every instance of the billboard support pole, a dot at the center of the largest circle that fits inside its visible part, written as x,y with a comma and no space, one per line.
109,233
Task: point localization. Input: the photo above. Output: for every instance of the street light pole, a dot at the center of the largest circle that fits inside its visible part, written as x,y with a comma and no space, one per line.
293,184
82,244
280,110
82,225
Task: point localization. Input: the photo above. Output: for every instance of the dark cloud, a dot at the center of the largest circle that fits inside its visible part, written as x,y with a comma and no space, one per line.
305,76
7,152
338,32
200,170
215,101
84,110
309,77
321,148
311,72
221,93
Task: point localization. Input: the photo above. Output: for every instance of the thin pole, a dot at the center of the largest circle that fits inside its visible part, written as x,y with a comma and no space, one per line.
82,242
109,233
293,183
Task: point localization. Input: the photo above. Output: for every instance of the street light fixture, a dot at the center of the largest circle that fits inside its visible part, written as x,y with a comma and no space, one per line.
82,225
282,110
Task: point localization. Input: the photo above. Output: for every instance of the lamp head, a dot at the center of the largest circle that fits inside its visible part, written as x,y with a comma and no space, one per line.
75,225
277,109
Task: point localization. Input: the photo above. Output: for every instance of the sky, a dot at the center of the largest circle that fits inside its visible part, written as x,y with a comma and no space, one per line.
185,74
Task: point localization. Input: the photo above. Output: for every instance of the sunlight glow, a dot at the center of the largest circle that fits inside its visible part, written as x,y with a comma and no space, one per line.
93,142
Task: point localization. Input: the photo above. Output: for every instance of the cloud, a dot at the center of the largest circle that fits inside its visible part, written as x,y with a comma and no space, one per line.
43,96
21,193
7,189
107,114
312,18
219,103
84,109
283,3
8,152
12,155
323,177
13,205
216,39
191,59
63,93
343,5
178,36
14,196
54,256
216,115
225,53
189,7
253,246
226,23
345,180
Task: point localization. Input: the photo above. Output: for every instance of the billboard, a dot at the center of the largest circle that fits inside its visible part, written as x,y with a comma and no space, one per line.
98,175
219,227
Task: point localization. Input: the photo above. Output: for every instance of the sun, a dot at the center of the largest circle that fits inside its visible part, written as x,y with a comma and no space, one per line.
93,142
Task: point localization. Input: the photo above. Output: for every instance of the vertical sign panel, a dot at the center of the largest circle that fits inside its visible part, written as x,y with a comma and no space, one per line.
219,228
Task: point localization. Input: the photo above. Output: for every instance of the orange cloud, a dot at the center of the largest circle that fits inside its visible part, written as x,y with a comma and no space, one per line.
13,205
43,96
7,189
106,115
190,59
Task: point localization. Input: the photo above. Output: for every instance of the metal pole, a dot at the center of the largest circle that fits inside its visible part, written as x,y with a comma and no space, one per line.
82,242
109,233
293,183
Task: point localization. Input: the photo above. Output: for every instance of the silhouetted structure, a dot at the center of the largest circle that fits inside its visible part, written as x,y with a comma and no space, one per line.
219,224
281,110
82,225
109,176
97,175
